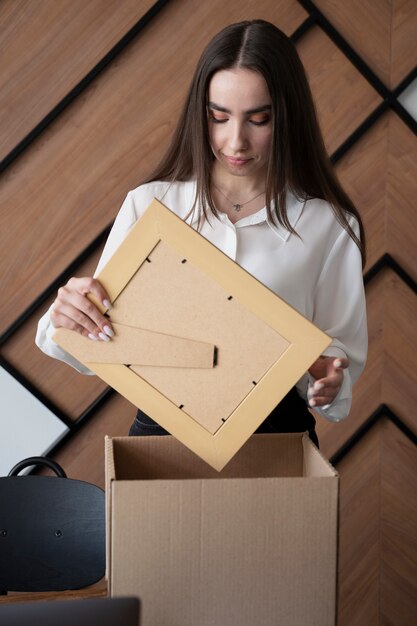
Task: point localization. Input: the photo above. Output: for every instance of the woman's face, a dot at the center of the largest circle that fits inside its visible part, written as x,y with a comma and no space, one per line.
240,121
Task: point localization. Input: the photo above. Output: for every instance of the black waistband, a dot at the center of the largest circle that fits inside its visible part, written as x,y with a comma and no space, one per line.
290,416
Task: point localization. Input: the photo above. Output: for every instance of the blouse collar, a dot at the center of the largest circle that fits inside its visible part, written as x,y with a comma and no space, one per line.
295,208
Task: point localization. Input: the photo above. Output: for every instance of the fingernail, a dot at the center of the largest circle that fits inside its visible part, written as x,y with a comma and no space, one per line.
312,403
108,331
103,337
92,337
318,386
107,304
338,363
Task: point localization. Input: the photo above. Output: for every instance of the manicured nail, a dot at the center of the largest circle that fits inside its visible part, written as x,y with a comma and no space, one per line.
108,331
103,337
338,363
92,337
312,402
318,386
107,304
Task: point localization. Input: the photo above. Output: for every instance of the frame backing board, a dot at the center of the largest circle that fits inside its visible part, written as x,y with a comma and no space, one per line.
166,278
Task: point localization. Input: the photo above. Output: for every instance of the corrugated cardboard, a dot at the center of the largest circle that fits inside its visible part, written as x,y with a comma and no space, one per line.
167,279
255,545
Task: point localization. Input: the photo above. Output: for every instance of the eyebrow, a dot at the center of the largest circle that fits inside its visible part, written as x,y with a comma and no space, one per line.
261,109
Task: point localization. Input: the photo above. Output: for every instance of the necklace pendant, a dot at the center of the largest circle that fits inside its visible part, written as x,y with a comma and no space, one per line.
237,207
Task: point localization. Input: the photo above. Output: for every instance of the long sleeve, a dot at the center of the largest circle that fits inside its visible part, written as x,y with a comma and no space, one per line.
124,221
133,207
340,310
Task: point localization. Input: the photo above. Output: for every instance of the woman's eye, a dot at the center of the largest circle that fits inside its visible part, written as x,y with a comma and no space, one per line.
259,122
218,120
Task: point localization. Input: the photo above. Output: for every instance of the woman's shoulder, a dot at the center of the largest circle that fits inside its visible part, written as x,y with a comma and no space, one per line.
322,211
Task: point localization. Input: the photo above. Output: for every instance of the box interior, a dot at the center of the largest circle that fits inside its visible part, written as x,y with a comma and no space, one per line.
263,455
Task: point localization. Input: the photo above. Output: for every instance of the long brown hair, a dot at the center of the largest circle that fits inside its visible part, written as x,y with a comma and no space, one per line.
298,159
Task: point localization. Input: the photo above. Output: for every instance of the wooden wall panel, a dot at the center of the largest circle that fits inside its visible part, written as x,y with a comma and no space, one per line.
401,194
342,96
363,173
390,376
68,390
399,390
69,184
403,39
359,542
378,518
383,33
398,528
379,174
366,25
47,47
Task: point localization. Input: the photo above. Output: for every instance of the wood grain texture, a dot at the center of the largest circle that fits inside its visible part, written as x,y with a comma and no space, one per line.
399,389
70,391
363,174
343,97
46,48
383,33
398,528
359,534
403,39
379,174
70,183
401,179
390,376
366,26
378,518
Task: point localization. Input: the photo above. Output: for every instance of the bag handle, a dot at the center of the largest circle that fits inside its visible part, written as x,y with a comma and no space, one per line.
38,460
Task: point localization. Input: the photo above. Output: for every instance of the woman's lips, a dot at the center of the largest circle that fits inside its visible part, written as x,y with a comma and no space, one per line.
236,160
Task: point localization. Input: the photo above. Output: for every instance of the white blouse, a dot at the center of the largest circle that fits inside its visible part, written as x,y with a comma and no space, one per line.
319,272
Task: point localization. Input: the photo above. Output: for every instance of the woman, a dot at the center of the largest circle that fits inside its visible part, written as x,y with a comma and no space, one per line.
247,167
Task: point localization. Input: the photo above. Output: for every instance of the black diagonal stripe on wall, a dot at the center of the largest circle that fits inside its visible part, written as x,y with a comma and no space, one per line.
389,96
387,261
382,411
79,88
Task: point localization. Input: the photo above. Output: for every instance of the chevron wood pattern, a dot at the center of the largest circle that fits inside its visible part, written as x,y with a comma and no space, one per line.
53,378
66,186
379,173
35,77
332,77
390,377
378,513
107,154
383,33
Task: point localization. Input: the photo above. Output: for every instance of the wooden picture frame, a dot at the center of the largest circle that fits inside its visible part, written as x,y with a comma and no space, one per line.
201,346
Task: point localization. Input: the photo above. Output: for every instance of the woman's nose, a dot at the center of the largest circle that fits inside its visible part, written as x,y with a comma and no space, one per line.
237,139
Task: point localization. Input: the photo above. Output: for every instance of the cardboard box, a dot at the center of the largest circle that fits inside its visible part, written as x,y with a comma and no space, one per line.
255,545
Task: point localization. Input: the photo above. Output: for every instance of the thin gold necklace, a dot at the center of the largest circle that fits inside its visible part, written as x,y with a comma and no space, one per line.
237,207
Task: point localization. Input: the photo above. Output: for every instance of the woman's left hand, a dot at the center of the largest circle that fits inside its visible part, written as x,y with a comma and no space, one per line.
328,374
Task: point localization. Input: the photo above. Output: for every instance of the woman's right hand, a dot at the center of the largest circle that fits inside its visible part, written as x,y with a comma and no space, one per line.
72,309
